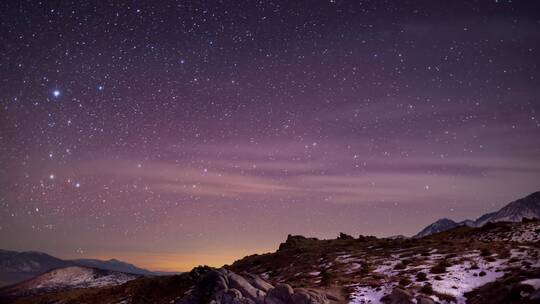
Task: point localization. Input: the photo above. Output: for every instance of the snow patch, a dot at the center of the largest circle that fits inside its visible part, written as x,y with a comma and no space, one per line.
369,295
533,282
460,279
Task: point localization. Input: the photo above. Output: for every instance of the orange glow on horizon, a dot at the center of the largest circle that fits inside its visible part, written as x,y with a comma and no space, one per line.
173,262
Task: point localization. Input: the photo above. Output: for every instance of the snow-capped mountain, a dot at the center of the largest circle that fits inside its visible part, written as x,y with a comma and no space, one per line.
527,207
19,266
439,226
70,277
516,211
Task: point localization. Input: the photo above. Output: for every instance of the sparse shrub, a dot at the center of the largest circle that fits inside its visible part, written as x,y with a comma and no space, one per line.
504,255
474,266
406,261
400,266
438,278
404,281
438,269
482,273
365,268
446,297
327,277
485,252
445,263
490,259
421,276
427,289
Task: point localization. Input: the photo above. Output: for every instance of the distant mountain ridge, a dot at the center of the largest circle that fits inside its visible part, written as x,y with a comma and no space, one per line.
113,264
527,207
19,266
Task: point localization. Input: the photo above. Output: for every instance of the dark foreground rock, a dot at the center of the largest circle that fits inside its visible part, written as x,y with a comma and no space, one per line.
222,286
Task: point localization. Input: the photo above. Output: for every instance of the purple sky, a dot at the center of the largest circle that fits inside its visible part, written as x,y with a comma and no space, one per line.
177,134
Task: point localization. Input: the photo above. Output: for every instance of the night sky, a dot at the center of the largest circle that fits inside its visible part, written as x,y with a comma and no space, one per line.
173,134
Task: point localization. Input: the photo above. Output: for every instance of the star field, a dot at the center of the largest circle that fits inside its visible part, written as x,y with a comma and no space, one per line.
177,133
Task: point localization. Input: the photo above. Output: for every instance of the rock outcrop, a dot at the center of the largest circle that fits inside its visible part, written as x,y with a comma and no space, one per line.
295,242
222,286
398,296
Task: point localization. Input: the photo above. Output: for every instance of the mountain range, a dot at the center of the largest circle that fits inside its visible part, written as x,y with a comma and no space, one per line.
523,208
19,266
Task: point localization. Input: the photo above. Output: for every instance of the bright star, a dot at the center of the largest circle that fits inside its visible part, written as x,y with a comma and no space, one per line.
56,93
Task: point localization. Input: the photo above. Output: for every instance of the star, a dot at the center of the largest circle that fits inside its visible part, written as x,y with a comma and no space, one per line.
56,93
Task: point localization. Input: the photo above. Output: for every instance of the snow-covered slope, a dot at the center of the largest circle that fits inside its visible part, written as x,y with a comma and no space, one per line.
71,277
19,266
16,266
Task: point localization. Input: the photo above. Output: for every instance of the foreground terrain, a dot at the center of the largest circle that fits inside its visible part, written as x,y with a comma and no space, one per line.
496,263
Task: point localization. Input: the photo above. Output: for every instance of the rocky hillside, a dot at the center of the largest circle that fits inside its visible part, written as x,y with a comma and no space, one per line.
524,208
497,263
445,267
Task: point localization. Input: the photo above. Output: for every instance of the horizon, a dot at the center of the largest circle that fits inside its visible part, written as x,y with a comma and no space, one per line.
208,260
170,134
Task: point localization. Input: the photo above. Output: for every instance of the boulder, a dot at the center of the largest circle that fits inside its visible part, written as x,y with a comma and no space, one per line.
306,296
295,242
231,296
221,286
272,300
424,300
257,282
344,236
398,296
241,284
282,292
